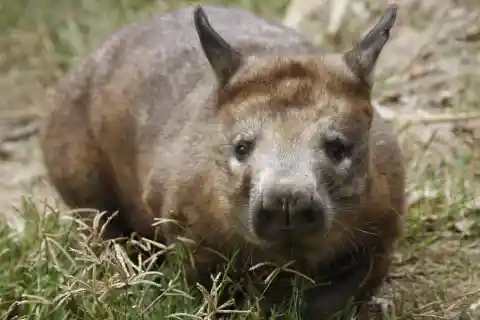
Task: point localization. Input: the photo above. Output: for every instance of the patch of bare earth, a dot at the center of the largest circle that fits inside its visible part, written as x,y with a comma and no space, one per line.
427,87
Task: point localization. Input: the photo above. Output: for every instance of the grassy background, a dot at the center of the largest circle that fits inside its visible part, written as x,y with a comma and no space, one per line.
49,270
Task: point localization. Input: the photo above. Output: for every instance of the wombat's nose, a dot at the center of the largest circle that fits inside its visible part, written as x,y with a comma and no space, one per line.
288,210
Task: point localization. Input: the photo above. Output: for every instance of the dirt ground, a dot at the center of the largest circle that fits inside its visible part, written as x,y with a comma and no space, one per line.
429,81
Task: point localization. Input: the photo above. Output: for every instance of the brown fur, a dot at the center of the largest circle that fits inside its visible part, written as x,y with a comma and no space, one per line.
139,128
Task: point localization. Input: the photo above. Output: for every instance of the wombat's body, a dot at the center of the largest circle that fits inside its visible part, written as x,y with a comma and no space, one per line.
144,126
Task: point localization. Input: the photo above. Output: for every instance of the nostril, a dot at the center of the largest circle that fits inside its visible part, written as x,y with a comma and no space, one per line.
309,215
266,216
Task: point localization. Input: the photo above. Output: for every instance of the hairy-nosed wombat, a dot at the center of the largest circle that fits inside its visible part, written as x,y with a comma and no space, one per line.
246,134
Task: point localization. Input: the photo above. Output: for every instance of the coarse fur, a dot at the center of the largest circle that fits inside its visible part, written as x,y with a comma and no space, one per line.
151,122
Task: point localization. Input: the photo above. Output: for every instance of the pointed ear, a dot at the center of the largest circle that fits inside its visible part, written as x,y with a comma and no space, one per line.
363,57
223,59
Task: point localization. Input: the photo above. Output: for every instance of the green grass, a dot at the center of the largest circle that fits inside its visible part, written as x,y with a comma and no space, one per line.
54,271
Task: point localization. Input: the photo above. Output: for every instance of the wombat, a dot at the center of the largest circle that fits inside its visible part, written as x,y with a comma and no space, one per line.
247,135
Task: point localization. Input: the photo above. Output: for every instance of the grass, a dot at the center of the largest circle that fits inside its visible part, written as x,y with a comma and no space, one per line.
51,272
55,271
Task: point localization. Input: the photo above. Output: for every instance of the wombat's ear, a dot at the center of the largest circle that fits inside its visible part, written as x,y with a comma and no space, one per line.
223,59
362,58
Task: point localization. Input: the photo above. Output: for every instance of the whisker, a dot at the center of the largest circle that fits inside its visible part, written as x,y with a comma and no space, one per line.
348,231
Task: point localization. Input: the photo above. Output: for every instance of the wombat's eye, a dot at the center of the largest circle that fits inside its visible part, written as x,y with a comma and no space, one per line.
243,149
337,149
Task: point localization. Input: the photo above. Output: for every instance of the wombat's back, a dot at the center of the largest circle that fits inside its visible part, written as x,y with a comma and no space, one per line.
160,60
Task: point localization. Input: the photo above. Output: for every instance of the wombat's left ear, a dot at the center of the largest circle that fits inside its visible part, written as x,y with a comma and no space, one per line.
362,58
223,59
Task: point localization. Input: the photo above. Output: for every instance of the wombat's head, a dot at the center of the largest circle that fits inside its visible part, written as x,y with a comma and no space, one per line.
294,152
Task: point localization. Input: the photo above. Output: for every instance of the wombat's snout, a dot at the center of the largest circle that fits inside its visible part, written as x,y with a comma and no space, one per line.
287,210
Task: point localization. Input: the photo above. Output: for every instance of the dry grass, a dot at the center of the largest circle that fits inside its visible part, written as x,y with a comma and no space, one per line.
56,271
50,270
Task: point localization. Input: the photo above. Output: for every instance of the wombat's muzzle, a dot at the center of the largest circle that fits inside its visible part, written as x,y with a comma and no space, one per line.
286,211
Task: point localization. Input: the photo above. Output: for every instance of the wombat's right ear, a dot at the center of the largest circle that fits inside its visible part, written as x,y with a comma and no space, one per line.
363,57
223,59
